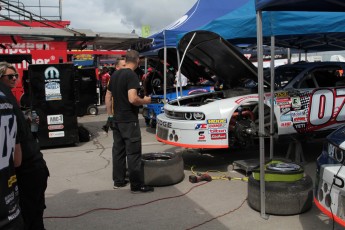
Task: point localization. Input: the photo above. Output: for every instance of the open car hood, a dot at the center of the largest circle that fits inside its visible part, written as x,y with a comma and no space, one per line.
219,56
189,68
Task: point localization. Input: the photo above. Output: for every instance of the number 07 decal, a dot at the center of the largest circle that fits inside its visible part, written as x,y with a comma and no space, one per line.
327,106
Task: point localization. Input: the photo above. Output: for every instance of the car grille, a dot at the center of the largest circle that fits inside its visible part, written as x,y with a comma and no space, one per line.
174,115
162,133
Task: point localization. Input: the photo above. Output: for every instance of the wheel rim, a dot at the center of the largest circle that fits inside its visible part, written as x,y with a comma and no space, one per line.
93,111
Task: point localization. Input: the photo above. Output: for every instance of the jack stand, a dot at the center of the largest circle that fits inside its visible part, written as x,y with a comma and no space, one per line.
296,147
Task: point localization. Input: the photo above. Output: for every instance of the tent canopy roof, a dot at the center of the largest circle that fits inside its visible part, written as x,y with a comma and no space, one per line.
300,5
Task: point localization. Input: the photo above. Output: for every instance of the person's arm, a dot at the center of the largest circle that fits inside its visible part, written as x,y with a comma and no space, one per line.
134,99
108,103
17,158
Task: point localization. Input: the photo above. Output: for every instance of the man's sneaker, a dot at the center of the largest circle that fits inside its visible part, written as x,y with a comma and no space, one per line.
142,189
121,185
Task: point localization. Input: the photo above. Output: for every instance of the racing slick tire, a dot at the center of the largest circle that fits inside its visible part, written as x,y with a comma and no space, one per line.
162,168
282,198
92,110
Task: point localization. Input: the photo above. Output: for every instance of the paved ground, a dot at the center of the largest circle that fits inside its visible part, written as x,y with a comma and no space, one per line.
80,193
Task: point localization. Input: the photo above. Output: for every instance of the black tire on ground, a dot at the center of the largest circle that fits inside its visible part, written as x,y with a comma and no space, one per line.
164,168
84,134
92,110
282,198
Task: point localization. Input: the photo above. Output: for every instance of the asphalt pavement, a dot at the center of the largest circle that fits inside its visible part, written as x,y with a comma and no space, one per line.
80,192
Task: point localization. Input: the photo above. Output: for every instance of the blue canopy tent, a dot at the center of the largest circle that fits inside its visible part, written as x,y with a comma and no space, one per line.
282,5
200,14
291,29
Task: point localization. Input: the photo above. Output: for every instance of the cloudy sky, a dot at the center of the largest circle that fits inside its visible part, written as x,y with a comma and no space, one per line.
118,16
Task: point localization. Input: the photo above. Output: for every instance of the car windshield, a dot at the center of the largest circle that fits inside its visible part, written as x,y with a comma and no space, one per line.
283,75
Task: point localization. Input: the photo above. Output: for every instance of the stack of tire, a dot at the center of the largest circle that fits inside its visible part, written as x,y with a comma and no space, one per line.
289,191
163,168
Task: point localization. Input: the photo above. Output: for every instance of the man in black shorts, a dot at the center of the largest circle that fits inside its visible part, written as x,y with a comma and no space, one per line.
123,87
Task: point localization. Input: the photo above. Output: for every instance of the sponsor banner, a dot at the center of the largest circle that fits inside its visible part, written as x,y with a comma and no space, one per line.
53,127
52,84
55,119
217,131
56,134
218,136
216,121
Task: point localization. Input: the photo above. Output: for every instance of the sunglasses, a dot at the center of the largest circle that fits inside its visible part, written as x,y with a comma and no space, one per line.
11,76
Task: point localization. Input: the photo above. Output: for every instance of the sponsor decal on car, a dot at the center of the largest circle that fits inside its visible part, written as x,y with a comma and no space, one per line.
164,124
216,126
238,101
202,136
299,113
217,131
218,136
286,124
281,94
201,126
216,121
197,91
296,102
286,117
299,119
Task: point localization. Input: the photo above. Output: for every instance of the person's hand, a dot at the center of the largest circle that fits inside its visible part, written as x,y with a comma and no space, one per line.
147,99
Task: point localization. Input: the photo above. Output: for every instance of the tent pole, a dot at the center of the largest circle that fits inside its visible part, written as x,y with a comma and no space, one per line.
165,70
179,71
178,65
261,114
272,93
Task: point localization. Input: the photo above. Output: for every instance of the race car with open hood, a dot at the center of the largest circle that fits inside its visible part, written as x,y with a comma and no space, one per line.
309,99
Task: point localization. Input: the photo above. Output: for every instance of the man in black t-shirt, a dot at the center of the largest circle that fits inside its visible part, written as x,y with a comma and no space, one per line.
123,88
10,156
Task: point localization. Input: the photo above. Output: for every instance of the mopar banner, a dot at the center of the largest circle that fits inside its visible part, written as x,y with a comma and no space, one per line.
53,96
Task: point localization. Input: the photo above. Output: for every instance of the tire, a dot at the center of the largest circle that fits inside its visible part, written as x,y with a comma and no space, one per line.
84,134
162,169
92,110
282,198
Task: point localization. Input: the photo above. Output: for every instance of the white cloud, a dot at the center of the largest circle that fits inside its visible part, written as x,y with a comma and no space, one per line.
118,16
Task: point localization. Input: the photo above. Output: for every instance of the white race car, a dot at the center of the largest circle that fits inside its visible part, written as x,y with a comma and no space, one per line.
329,195
309,98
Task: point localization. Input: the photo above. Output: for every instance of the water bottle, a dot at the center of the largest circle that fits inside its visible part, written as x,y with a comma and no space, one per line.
34,124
